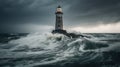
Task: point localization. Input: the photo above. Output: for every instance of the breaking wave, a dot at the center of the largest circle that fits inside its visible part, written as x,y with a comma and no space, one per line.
43,49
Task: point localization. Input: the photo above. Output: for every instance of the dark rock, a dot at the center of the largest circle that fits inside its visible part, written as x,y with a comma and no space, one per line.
64,32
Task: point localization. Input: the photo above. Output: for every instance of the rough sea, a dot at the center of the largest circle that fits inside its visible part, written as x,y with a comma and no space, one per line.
48,50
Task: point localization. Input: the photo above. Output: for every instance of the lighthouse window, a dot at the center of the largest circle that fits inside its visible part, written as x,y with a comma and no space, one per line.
58,25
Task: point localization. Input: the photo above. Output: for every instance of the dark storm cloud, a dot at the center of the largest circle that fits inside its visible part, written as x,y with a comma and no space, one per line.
76,12
93,12
20,11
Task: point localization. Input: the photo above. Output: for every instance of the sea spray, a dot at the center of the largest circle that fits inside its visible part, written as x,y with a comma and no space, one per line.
45,49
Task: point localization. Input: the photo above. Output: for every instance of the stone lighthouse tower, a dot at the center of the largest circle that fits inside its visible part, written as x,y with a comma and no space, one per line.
59,26
59,21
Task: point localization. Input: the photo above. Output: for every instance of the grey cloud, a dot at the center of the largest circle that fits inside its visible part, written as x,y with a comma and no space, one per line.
93,11
24,10
76,12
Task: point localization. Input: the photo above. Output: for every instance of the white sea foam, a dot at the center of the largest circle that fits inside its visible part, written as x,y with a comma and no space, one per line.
56,47
52,42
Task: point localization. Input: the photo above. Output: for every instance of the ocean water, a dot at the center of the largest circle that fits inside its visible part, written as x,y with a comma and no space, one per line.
48,50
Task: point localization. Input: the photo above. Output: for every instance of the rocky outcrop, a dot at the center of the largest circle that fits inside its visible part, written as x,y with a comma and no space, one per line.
64,32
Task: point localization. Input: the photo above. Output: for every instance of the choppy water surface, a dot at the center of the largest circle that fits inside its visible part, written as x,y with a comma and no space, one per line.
48,50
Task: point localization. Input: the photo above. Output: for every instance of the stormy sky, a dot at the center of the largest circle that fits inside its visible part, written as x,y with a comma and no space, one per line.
79,15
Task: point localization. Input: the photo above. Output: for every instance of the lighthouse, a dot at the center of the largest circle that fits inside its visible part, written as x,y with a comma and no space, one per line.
59,21
59,25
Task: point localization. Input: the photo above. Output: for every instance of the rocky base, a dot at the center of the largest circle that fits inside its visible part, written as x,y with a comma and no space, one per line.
64,32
